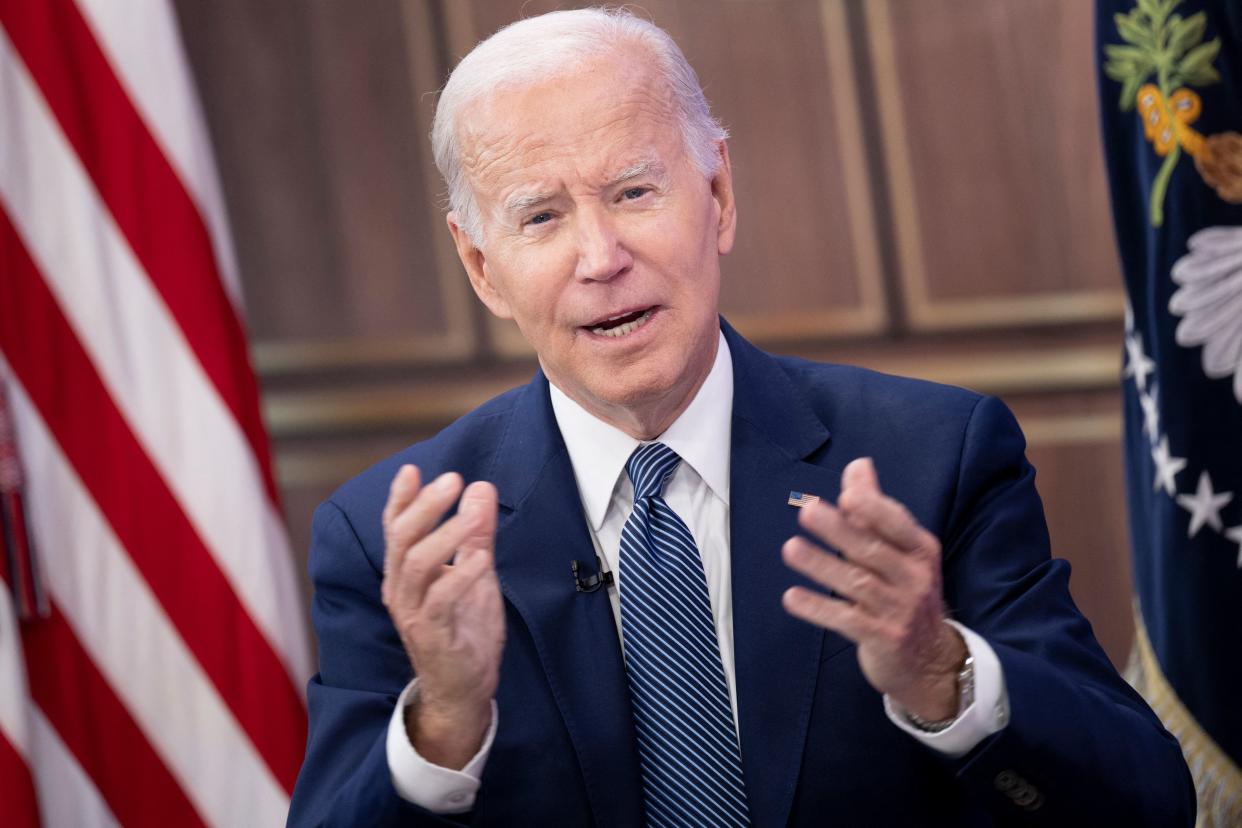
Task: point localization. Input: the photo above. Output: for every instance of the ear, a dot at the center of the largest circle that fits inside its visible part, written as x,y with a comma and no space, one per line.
475,263
722,192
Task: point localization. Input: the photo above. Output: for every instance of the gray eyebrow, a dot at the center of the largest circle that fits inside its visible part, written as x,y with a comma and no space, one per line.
634,171
521,202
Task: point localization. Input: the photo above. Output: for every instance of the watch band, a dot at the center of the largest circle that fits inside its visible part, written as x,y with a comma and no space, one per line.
965,697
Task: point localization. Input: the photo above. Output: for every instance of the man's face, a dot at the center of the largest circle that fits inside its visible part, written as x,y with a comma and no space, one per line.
600,237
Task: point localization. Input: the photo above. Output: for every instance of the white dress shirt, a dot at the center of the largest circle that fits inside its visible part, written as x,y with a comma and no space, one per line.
698,492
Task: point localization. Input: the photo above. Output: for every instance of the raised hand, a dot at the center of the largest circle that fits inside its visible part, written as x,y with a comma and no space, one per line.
440,589
888,596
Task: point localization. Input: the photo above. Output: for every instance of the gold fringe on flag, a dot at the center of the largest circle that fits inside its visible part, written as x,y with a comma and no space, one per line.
1218,781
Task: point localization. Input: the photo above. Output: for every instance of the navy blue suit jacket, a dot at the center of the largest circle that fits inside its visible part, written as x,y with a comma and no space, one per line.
816,744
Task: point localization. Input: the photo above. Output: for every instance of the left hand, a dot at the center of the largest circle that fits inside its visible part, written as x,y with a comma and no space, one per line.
888,599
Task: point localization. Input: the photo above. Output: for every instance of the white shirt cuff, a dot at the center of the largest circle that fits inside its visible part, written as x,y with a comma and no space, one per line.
438,789
988,713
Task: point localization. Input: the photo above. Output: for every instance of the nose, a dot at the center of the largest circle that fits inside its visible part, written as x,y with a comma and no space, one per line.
601,254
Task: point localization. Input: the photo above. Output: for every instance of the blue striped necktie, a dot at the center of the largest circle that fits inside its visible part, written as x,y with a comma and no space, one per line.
687,746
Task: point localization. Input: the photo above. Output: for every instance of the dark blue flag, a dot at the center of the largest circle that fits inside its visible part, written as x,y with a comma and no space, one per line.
1170,80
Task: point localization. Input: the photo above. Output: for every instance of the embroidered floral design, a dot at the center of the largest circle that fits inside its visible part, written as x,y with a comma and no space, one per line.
1167,123
1171,47
1209,301
1220,164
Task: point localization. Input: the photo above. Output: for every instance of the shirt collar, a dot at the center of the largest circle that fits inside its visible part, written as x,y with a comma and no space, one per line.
700,436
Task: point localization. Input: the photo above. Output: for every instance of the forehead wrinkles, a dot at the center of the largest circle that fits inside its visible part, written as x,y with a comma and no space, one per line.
485,155
499,140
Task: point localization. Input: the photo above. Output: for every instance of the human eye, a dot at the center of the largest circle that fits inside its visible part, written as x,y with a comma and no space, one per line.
634,193
542,217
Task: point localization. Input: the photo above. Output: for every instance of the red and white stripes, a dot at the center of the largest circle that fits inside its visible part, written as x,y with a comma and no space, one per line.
16,781
165,687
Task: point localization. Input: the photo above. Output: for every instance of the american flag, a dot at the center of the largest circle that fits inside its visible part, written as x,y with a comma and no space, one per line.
163,684
801,499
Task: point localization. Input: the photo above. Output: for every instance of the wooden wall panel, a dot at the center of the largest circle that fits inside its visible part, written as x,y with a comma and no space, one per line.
253,75
780,75
319,118
992,155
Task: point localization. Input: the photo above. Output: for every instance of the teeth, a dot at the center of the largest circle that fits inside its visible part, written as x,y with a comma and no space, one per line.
622,330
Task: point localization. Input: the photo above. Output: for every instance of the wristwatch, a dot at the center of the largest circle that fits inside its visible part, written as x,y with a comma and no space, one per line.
965,696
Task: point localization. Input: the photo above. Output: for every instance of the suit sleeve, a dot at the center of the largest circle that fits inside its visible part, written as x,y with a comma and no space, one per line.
1081,746
345,778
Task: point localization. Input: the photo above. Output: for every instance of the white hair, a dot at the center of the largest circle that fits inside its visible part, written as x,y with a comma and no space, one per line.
554,44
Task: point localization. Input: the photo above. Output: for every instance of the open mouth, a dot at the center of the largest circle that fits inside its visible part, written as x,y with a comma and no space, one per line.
621,324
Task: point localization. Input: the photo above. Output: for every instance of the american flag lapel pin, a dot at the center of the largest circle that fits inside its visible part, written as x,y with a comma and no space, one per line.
801,499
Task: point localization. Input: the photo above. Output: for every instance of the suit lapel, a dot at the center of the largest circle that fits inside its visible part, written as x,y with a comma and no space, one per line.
777,656
542,529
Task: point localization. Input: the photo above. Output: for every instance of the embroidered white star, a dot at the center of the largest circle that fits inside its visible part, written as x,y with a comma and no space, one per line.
1204,506
1166,467
1151,413
1138,365
1235,534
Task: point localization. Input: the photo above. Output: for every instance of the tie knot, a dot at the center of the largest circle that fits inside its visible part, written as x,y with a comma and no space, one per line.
649,468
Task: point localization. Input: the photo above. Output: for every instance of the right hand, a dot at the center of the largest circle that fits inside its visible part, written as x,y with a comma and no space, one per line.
450,617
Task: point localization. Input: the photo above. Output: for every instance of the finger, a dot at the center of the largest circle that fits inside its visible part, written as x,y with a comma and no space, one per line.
848,580
478,502
423,509
867,507
860,473
877,513
830,613
424,563
421,515
865,548
483,598
446,591
404,487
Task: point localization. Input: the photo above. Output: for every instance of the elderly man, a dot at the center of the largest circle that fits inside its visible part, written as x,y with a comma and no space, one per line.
674,592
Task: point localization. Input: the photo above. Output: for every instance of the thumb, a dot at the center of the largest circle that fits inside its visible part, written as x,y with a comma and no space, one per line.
478,506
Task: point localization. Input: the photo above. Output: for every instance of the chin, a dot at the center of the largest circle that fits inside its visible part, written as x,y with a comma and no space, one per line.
643,386
632,392
638,388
